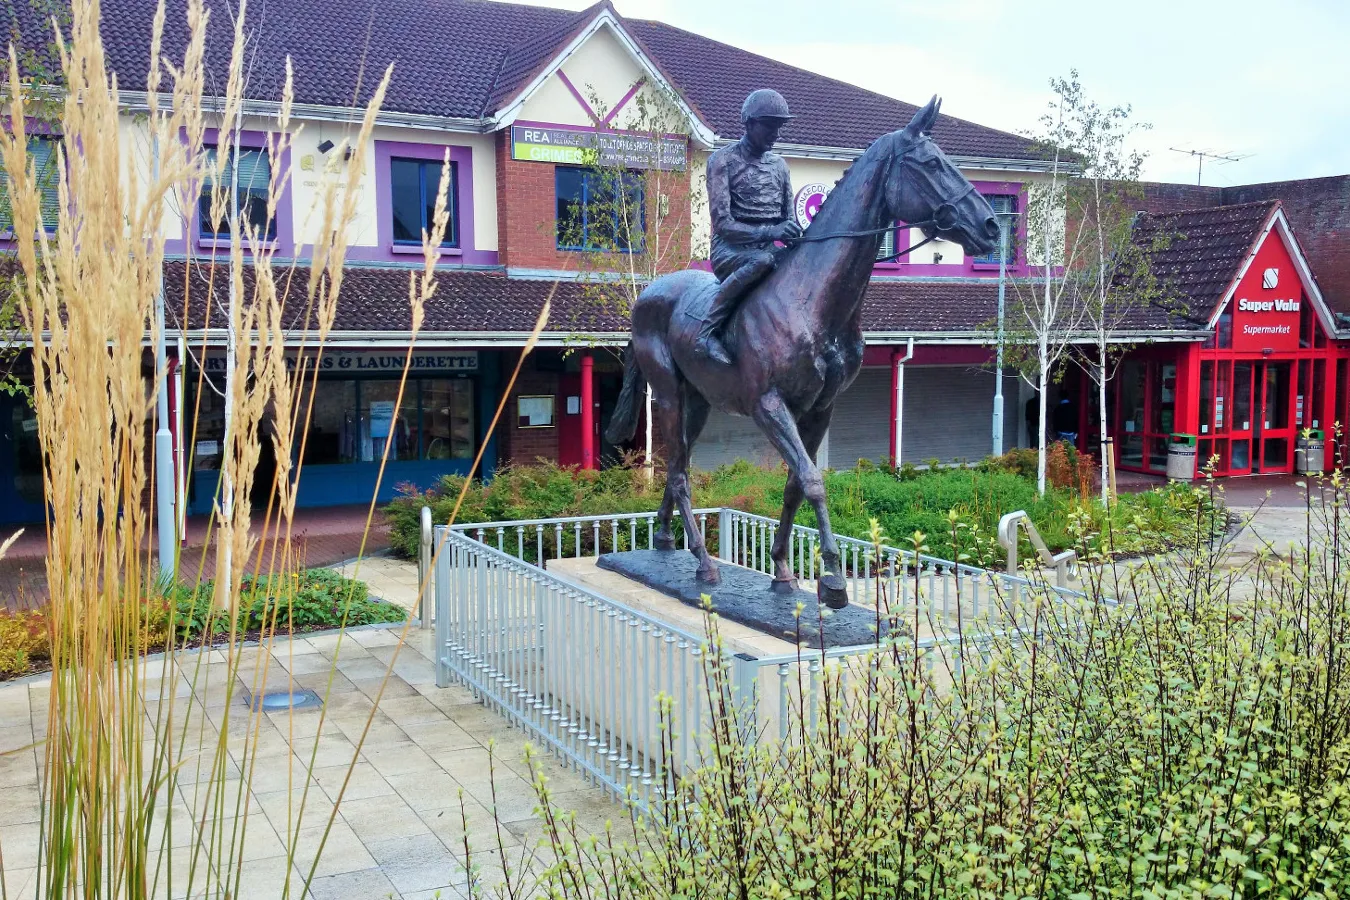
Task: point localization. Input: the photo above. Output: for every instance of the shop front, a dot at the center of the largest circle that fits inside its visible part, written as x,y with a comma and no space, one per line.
355,416
1246,394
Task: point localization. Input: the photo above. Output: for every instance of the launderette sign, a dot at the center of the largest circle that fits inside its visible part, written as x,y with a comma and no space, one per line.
587,147
374,361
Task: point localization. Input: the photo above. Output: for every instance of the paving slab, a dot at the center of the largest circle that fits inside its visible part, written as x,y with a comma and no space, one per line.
399,830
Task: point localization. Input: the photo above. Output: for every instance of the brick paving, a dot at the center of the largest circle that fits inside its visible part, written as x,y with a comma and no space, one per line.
324,536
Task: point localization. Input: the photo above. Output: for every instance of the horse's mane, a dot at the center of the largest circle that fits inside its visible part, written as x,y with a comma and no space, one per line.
844,175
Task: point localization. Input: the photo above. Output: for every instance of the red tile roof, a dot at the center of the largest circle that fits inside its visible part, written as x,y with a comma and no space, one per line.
1197,253
467,302
467,58
376,299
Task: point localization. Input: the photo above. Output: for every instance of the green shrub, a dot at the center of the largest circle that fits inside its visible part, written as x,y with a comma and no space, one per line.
912,501
309,600
23,642
312,599
1191,741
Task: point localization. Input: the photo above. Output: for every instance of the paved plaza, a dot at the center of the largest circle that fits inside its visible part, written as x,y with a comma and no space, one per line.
323,536
399,831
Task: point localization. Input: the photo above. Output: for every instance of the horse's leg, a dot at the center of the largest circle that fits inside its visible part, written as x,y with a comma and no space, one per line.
775,420
675,422
664,539
811,429
664,381
695,417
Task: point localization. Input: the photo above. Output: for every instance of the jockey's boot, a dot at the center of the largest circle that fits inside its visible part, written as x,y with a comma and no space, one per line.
728,297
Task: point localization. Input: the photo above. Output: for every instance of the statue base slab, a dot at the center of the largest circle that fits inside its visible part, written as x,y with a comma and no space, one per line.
748,598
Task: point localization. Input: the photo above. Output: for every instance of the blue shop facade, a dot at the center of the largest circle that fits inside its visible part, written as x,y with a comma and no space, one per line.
435,428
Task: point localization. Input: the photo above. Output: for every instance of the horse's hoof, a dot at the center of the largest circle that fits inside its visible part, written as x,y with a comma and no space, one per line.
664,543
830,590
784,586
709,575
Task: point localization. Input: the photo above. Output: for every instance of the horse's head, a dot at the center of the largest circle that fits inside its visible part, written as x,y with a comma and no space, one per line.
924,186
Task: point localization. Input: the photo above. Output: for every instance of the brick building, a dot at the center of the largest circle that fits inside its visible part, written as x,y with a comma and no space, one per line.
515,94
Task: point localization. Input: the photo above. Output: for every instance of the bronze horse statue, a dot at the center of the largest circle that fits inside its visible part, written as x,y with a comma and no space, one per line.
796,337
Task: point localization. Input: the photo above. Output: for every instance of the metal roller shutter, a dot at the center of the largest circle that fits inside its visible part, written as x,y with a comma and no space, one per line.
948,414
727,438
861,427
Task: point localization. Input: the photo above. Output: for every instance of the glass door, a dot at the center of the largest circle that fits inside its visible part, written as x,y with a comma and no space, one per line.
1275,423
1240,423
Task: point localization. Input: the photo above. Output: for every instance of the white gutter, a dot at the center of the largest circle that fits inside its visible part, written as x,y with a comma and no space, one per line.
812,151
899,422
984,338
428,340
135,101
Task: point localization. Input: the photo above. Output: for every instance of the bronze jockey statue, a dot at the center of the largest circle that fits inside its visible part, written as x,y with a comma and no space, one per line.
750,193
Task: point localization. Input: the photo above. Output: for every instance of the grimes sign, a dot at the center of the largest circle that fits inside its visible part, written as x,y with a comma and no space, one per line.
587,147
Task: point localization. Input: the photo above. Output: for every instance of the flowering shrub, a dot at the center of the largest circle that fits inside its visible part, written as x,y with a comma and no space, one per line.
1189,741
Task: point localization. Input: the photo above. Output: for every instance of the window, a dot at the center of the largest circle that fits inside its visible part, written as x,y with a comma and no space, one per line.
354,420
887,246
414,186
600,210
1005,209
255,175
42,150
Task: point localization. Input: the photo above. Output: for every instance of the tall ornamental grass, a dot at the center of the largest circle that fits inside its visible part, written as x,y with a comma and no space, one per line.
135,747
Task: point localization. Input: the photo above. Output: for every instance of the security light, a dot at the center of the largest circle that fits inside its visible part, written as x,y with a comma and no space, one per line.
325,146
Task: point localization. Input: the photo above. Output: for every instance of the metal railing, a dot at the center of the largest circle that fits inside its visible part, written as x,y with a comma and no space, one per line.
426,590
583,672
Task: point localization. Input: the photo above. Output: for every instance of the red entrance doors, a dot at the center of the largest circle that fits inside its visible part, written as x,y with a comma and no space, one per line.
1246,416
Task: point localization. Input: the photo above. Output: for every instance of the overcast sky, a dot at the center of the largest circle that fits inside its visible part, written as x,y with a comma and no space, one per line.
1268,81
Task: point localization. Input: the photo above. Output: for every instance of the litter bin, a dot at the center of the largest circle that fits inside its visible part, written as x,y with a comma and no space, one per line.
1181,458
1311,452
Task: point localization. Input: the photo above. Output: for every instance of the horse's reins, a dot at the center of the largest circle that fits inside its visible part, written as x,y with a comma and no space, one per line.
944,219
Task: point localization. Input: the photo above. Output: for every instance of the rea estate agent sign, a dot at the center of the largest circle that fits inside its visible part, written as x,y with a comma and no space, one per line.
1268,302
586,147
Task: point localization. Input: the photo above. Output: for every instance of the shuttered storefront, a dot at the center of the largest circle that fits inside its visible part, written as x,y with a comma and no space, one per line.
727,438
948,411
861,427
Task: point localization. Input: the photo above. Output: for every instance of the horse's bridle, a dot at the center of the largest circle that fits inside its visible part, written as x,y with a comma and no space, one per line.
944,218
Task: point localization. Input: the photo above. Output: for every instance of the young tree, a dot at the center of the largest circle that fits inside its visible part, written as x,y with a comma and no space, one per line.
636,214
1046,311
1112,277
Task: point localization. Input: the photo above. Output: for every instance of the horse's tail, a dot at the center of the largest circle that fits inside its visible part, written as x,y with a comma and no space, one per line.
623,424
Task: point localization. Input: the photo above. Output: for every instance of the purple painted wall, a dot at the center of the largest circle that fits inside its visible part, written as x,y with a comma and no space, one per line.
195,244
968,267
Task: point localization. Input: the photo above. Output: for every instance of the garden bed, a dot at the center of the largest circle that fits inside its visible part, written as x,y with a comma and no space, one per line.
956,510
184,618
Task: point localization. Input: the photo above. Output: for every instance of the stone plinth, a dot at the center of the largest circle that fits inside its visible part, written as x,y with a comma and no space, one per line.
745,596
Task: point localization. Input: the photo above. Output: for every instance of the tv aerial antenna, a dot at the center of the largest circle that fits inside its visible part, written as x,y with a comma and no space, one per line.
1202,155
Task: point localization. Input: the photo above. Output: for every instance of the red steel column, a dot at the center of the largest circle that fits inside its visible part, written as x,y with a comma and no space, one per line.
587,411
1187,409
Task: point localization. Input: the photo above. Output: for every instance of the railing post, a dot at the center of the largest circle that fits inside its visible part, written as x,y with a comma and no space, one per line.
725,551
424,579
744,678
442,587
